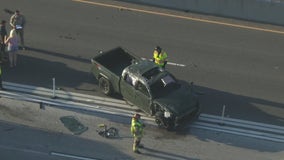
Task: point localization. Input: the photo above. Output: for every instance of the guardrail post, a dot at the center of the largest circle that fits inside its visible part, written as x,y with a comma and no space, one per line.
53,89
41,106
223,114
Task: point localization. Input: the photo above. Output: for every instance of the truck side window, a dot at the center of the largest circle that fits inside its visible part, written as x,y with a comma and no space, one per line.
142,88
130,80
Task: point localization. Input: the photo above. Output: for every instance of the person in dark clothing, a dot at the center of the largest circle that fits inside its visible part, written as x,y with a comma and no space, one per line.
1,87
18,22
3,35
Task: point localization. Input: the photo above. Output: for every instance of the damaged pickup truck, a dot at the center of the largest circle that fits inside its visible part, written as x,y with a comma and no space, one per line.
142,83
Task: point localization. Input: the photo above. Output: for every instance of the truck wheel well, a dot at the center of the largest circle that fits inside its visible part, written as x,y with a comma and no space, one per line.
105,85
160,120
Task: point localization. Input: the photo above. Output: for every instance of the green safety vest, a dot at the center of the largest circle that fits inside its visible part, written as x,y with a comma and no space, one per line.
136,128
160,58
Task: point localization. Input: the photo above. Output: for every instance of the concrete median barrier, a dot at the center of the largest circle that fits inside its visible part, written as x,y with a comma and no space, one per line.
266,11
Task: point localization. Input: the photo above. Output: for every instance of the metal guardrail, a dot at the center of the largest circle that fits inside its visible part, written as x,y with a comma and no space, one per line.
77,101
70,100
61,94
240,127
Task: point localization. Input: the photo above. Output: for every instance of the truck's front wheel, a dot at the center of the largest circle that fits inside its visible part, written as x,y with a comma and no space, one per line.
105,86
161,121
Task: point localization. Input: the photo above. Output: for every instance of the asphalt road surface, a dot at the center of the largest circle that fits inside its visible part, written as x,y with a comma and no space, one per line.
233,63
28,132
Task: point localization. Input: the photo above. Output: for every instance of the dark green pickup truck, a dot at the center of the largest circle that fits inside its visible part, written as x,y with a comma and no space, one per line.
149,87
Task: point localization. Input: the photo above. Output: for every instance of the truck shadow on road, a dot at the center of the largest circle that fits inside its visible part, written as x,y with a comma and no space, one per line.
35,71
241,107
59,55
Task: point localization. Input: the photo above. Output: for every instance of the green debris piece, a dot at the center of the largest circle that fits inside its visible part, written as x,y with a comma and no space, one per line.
73,125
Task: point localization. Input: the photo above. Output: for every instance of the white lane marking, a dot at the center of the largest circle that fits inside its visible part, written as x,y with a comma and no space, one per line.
71,156
170,63
22,150
176,64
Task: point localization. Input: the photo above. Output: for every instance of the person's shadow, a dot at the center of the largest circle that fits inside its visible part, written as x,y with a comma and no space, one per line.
163,155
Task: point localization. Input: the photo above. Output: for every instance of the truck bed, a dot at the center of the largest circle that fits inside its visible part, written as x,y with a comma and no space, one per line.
115,60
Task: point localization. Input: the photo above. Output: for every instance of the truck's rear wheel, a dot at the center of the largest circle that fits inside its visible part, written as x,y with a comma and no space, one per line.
105,86
159,119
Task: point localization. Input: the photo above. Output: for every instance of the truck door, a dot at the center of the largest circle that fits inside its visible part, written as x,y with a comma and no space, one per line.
127,89
142,97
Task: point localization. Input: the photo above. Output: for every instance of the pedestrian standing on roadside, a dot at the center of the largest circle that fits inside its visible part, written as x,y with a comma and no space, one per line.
3,35
137,129
13,47
18,21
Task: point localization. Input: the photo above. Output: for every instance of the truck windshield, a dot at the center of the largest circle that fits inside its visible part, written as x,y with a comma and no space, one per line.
164,86
151,73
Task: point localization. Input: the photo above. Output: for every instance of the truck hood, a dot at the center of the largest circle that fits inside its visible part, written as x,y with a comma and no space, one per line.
180,102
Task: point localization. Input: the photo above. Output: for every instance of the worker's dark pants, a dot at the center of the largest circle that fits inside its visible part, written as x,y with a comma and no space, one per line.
2,47
2,51
20,33
136,143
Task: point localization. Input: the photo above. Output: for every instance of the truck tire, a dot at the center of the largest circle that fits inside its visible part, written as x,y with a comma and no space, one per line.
163,122
159,119
105,86
170,125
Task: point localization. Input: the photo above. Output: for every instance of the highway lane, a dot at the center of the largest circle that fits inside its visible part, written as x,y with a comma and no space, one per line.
233,65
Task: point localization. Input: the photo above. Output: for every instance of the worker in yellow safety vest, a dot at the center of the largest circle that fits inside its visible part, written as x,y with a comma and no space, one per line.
160,57
137,129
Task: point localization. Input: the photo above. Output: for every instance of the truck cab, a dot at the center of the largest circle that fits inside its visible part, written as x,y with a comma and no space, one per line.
135,87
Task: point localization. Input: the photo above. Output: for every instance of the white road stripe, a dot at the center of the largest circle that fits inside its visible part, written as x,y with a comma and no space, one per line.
22,150
71,156
170,63
176,64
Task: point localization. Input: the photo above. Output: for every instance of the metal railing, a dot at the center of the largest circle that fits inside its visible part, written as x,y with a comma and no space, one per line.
70,100
240,127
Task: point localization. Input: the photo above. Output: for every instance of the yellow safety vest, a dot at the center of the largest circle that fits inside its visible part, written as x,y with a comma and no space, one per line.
0,71
160,58
136,128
